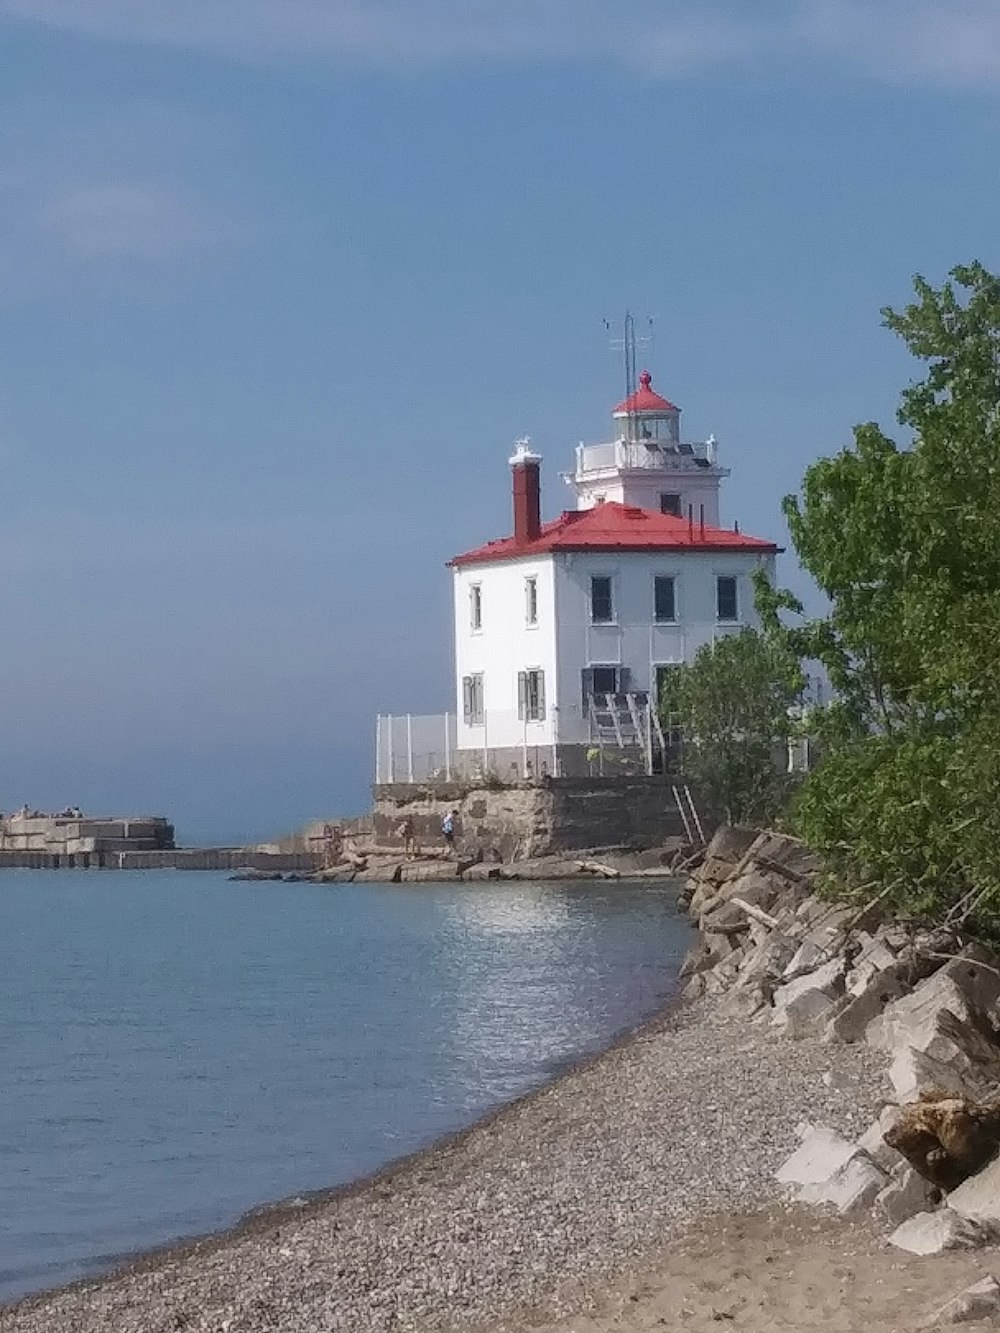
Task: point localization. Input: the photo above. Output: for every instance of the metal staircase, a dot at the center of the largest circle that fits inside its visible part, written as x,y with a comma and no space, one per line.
626,722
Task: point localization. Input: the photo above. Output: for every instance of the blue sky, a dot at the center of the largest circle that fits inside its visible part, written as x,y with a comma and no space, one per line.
281,280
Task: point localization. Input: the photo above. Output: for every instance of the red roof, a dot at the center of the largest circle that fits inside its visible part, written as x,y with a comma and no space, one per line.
617,527
644,399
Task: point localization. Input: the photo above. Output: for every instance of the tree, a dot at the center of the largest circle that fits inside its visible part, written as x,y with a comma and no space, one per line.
733,705
905,543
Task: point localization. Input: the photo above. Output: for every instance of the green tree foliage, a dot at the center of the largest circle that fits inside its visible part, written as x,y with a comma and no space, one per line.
732,706
905,543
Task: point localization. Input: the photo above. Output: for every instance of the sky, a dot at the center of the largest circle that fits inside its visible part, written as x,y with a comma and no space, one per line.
282,280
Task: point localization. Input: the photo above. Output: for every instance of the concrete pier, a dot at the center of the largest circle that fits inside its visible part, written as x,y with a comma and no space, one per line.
175,858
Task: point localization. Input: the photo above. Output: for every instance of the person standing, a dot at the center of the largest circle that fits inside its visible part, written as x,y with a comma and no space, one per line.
448,830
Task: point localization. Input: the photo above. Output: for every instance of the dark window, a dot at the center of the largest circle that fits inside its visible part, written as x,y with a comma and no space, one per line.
670,504
476,606
472,700
664,603
604,680
601,606
531,696
725,596
531,601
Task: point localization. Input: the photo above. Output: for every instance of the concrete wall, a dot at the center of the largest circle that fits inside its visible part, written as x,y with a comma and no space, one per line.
564,814
72,834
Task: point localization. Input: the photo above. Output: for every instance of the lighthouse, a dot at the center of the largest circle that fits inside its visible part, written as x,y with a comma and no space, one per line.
566,628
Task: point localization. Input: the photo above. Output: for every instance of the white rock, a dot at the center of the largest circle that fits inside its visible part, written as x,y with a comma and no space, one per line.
978,1198
851,1189
960,986
872,1141
931,1233
820,1155
980,1301
807,998
906,1194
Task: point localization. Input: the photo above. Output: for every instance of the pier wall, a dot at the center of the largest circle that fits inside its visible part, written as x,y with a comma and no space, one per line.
178,858
525,820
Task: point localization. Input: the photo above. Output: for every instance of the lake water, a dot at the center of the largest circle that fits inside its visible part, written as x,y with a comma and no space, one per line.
176,1049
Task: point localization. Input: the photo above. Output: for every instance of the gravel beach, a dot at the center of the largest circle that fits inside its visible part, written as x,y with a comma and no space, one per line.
534,1210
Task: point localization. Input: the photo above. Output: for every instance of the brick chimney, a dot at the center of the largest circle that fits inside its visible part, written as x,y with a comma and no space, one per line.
525,470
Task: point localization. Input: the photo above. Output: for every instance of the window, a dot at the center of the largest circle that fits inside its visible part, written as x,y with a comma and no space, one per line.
664,601
601,606
472,700
531,601
604,680
476,606
725,597
531,695
670,504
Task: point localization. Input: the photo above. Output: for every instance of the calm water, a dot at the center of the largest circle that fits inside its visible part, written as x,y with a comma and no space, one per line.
176,1048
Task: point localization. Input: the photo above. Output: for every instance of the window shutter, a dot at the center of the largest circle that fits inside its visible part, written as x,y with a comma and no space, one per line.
588,687
522,695
624,680
540,712
467,699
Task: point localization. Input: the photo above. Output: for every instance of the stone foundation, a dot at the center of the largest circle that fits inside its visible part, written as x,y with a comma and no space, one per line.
524,820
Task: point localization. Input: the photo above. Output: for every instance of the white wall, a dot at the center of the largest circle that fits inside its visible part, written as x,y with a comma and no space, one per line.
564,642
635,640
644,489
504,646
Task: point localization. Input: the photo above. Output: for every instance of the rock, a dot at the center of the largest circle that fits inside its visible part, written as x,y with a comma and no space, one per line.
872,1141
870,959
851,1023
766,961
965,989
978,1199
730,843
803,1005
946,1139
979,1301
710,950
932,1233
851,1189
948,1053
695,987
788,856
821,1153
906,1194
827,1168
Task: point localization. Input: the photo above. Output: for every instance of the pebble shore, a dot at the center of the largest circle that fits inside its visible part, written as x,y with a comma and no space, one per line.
532,1210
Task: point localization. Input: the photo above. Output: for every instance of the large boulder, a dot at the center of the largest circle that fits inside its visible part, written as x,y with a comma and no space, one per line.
932,1233
803,1006
827,1168
979,1301
948,1053
872,1141
978,1198
946,1139
962,986
907,1194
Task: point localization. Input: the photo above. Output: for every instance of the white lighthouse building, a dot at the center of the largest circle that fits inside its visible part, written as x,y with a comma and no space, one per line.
564,629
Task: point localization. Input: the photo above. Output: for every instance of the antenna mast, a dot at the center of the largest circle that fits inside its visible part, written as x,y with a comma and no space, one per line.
627,344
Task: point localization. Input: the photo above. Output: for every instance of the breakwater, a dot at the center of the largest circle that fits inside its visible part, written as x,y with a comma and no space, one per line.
173,858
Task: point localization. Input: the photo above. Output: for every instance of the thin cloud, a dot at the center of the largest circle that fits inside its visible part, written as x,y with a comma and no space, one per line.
124,220
952,41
